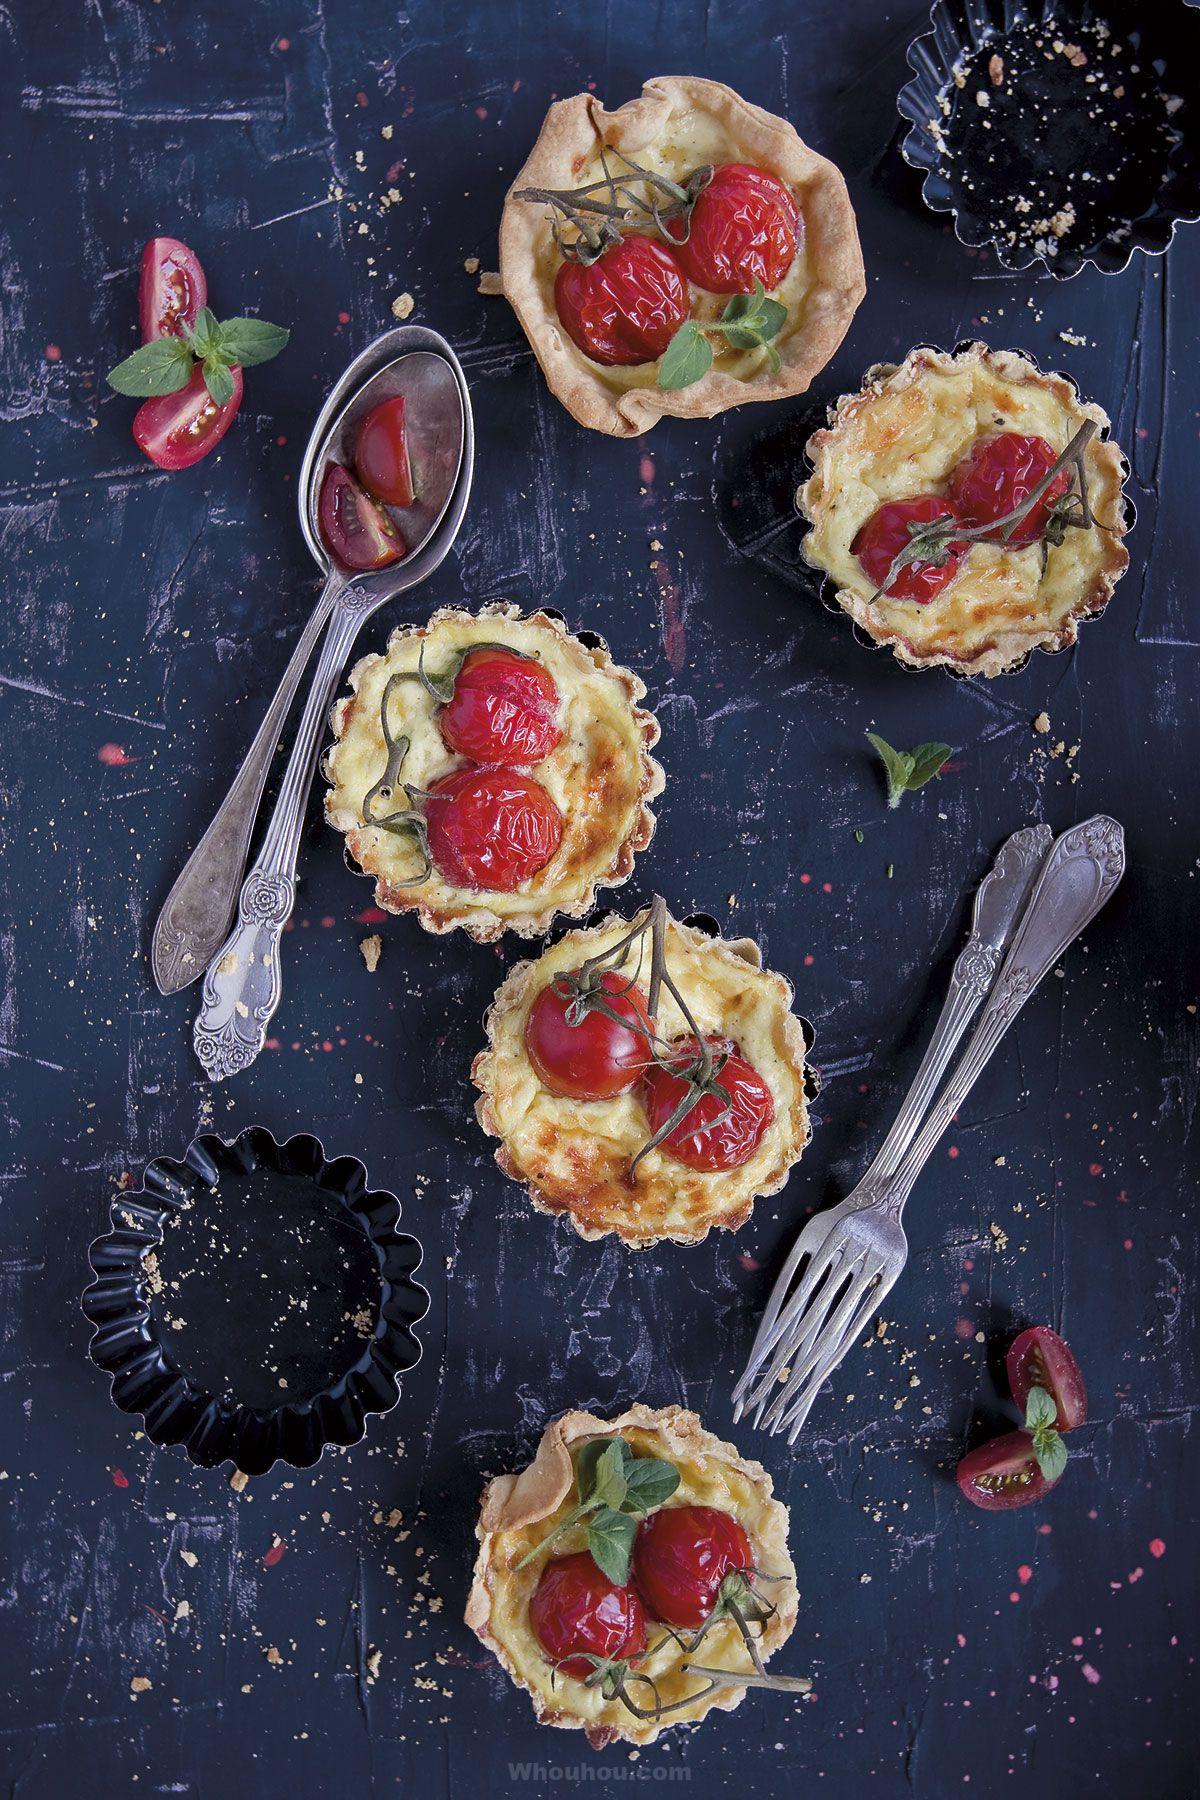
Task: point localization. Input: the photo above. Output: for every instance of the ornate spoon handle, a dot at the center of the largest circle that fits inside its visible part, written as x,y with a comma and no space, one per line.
1077,878
195,916
243,982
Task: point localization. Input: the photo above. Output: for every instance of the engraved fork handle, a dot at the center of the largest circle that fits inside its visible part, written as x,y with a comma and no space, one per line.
196,912
1077,879
242,983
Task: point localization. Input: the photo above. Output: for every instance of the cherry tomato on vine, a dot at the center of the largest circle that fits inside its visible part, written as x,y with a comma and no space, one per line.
879,542
681,1555
171,290
717,1133
357,533
998,475
626,306
576,1613
176,430
1039,1358
381,454
745,227
505,709
597,1058
490,828
1002,1473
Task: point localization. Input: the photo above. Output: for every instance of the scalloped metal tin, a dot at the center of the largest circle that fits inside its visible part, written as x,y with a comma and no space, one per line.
146,1380
1062,134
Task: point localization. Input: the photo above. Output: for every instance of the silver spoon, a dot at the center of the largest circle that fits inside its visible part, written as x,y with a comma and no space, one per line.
242,983
199,907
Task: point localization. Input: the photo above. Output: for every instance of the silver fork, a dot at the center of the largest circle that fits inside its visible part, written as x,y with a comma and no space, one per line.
853,1254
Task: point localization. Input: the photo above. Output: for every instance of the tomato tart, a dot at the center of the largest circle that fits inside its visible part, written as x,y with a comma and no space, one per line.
645,1079
491,770
967,508
635,1576
683,254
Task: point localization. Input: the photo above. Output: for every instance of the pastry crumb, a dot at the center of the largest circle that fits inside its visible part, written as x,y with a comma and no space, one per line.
402,306
372,947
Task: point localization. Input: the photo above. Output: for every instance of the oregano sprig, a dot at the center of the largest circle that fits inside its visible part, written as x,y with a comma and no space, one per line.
1041,1413
166,364
749,322
908,770
615,1489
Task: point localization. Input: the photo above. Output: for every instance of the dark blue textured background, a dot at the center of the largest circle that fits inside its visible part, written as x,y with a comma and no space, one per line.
1048,1652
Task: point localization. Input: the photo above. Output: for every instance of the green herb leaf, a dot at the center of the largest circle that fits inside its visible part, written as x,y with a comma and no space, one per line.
218,381
204,336
908,769
608,1478
750,320
1051,1452
1040,1409
162,367
249,341
610,1540
687,358
649,1481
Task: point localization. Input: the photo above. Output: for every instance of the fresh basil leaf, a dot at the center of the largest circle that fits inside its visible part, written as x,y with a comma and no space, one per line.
204,335
610,1540
162,367
927,761
1050,1451
1040,1409
249,341
687,358
218,381
898,765
649,1481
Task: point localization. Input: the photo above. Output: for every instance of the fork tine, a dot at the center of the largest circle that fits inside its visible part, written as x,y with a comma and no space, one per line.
808,1243
829,1335
783,1342
793,1420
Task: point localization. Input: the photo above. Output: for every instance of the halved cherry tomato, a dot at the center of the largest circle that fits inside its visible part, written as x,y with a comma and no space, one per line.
626,306
716,1133
998,475
745,227
504,710
576,1613
598,1057
381,454
1039,1358
357,533
1002,1473
176,430
879,542
490,828
681,1555
171,290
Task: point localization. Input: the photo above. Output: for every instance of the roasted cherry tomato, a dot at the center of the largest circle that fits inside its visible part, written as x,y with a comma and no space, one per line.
598,1057
357,533
1002,1473
577,1613
172,288
745,227
504,710
490,828
176,430
716,1133
381,454
998,475
626,306
681,1555
1039,1358
879,542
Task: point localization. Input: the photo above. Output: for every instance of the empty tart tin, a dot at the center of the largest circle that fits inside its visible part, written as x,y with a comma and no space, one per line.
1067,133
255,1301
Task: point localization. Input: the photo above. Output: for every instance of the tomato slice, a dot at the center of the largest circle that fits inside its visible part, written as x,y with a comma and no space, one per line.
357,534
1039,1358
172,288
1002,1473
381,454
176,430
596,1057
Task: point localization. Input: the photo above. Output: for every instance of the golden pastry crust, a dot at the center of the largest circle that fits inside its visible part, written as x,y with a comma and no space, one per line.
901,435
601,775
678,121
573,1156
519,1510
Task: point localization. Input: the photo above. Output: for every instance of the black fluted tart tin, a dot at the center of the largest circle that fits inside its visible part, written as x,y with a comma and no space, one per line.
1063,134
129,1301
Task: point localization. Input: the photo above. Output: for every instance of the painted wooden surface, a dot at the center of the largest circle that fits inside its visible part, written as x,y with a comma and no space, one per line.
1047,1652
